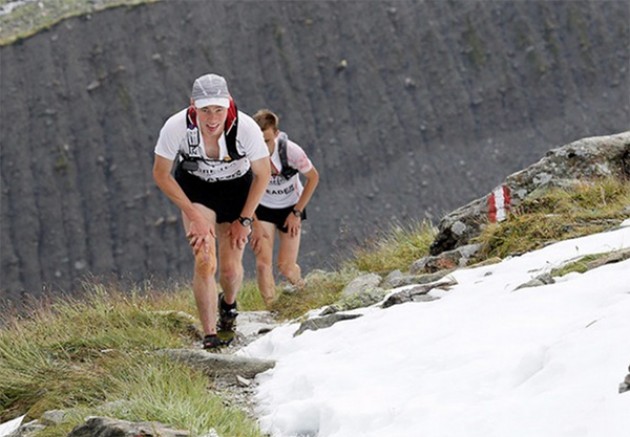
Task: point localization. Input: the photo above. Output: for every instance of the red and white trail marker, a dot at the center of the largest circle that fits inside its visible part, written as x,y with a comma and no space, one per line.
499,204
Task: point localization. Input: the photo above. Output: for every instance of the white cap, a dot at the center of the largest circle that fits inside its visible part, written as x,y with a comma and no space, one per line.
210,89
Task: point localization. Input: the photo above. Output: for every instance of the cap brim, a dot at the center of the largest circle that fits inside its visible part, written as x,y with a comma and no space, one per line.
213,101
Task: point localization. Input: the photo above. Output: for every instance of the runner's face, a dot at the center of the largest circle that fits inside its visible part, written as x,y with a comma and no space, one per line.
212,119
269,135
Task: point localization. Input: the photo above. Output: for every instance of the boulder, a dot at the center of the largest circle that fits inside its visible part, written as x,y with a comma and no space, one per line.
323,322
105,426
417,293
448,260
361,292
397,279
585,159
218,364
543,279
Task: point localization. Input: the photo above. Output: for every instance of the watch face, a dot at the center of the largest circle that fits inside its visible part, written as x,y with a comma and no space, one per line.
245,221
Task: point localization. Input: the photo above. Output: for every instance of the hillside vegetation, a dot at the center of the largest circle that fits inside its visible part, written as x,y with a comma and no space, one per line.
85,356
559,214
21,19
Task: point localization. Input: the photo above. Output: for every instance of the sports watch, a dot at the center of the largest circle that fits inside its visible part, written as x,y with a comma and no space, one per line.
245,221
296,212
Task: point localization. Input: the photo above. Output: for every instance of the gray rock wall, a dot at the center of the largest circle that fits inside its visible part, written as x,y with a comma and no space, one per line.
408,109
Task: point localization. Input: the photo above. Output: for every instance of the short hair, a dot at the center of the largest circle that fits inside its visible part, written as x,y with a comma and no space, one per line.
266,119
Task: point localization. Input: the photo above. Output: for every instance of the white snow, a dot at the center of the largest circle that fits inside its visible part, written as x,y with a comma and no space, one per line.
483,360
8,427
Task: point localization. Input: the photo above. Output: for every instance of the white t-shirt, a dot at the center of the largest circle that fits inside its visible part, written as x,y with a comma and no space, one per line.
282,192
249,142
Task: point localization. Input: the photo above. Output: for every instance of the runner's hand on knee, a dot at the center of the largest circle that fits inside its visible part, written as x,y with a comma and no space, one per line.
238,234
199,226
199,243
293,225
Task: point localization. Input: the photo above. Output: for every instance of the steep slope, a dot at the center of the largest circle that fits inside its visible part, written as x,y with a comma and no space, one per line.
407,108
481,357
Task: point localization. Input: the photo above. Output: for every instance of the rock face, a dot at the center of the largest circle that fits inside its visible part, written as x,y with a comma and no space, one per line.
407,108
589,158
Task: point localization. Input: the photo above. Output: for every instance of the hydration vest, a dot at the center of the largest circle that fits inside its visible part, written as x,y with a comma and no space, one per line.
287,171
190,162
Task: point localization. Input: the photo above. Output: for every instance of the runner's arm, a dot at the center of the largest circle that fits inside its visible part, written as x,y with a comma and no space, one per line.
312,179
199,227
299,160
262,173
292,222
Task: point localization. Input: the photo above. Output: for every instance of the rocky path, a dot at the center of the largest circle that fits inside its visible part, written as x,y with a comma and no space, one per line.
237,388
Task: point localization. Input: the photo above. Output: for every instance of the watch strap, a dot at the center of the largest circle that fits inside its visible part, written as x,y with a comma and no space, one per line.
245,221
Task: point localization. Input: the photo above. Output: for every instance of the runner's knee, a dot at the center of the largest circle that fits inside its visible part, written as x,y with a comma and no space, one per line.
263,266
231,273
205,264
264,260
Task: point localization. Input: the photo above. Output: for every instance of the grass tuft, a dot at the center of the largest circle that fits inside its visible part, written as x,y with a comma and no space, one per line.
558,214
398,248
322,288
579,266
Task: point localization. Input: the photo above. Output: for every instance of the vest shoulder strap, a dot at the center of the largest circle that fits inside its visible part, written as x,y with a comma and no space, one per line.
231,129
287,171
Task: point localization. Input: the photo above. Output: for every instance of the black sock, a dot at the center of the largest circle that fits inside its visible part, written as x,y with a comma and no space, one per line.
227,306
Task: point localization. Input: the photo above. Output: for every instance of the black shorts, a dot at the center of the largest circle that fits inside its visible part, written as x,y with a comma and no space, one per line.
276,216
225,198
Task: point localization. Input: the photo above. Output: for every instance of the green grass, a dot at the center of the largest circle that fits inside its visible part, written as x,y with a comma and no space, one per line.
86,355
588,262
81,355
558,214
579,266
322,289
397,249
249,298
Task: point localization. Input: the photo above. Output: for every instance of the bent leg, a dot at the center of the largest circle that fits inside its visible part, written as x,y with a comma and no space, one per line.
230,264
264,264
287,258
204,284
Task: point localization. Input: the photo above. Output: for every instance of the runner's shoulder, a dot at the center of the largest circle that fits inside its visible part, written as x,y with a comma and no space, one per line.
176,121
